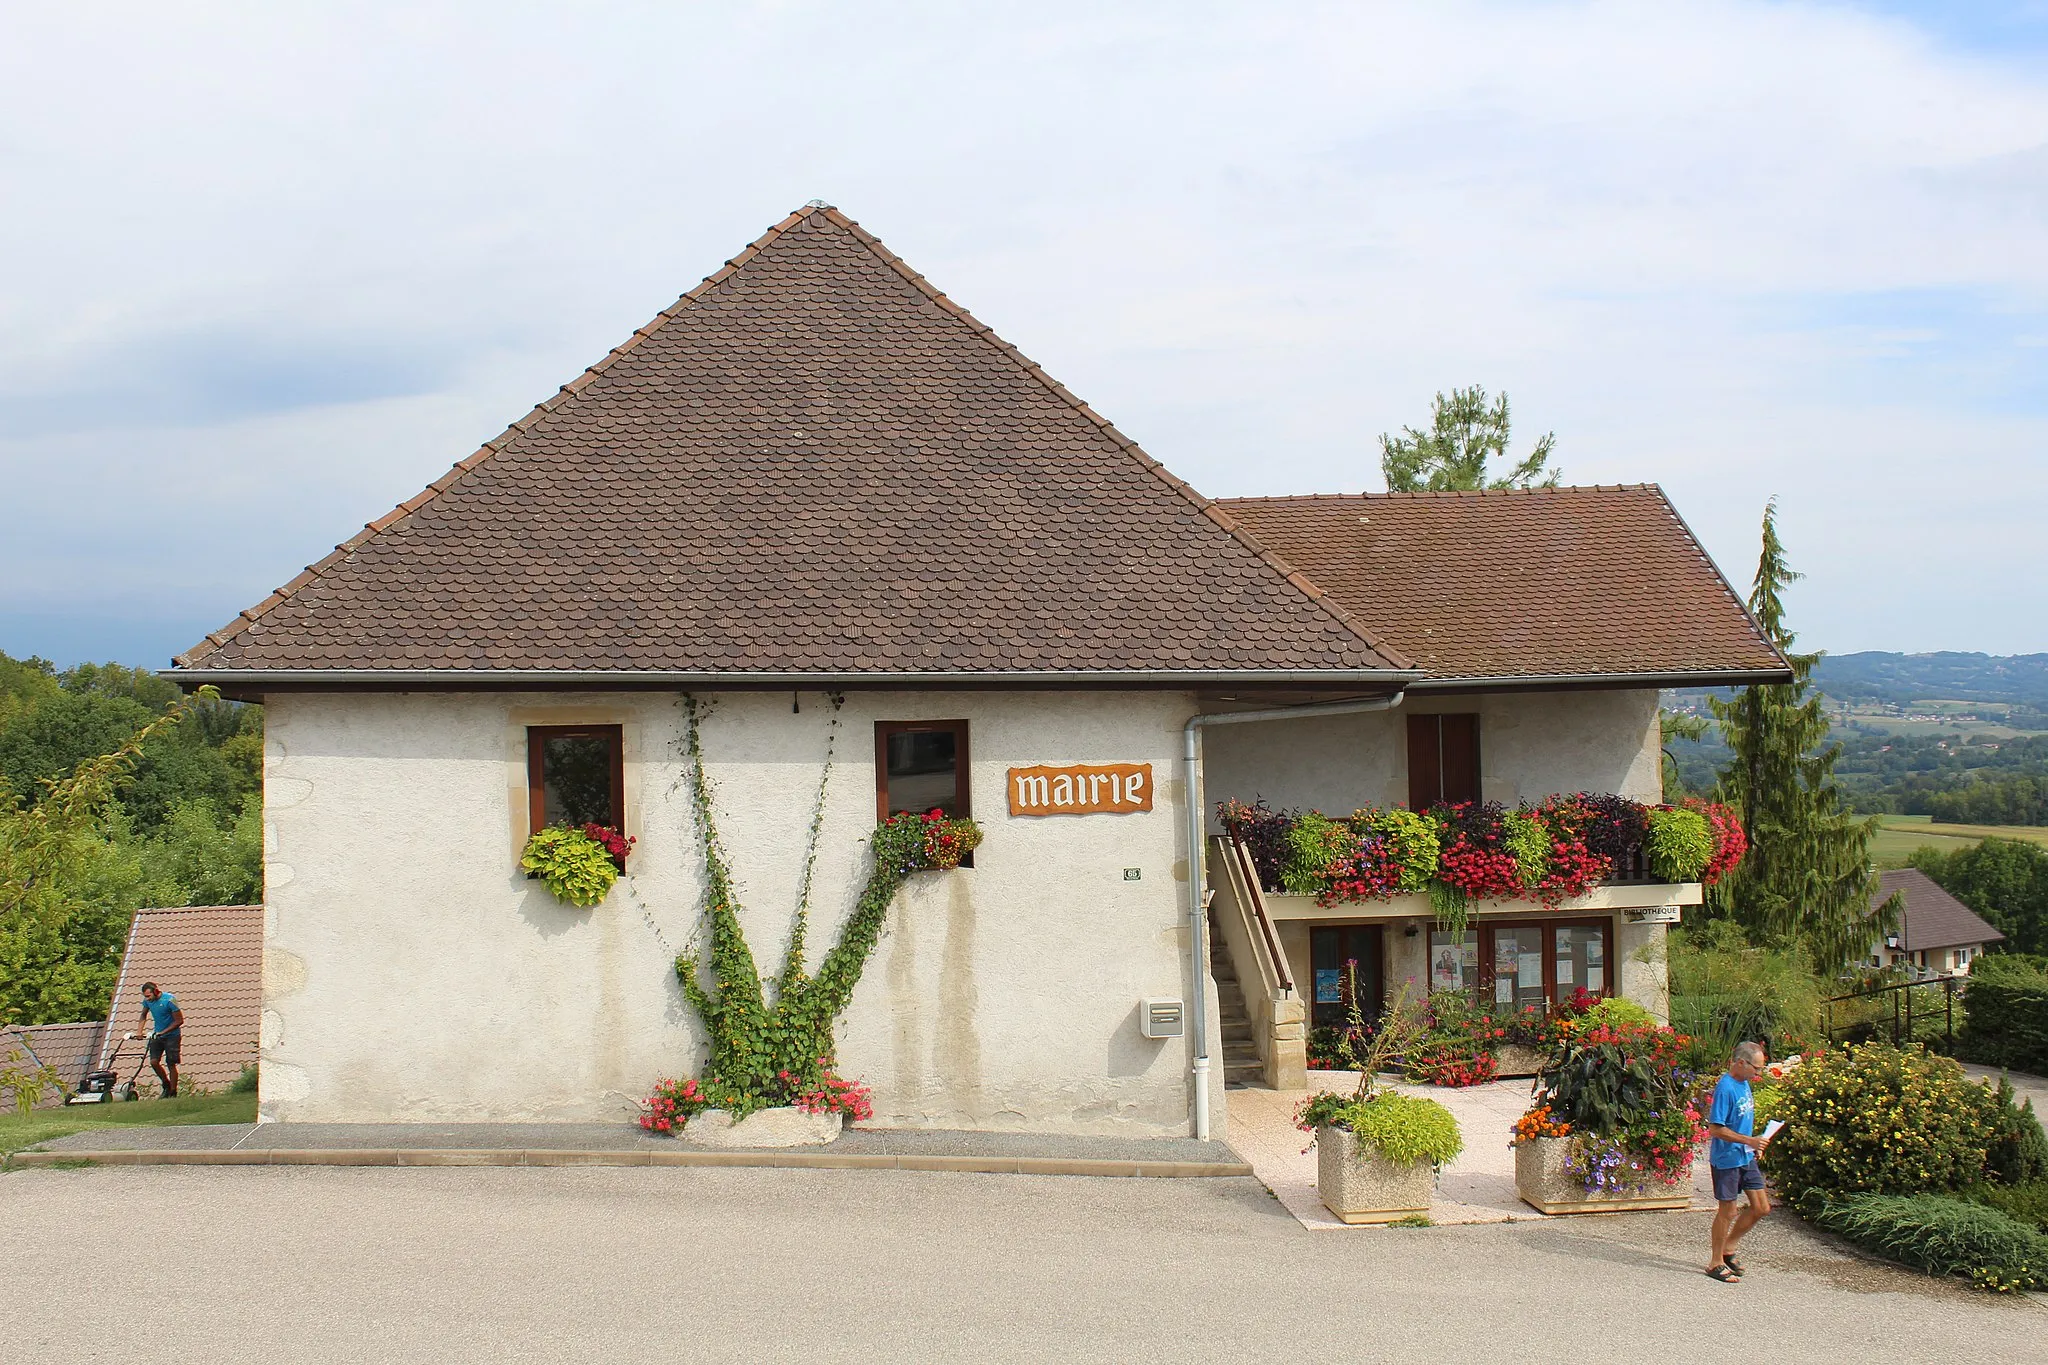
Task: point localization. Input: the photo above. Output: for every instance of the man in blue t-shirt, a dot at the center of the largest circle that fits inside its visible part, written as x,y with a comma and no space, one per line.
1732,1154
160,1010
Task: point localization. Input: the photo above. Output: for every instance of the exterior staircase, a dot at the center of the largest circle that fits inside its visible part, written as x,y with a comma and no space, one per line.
1241,1064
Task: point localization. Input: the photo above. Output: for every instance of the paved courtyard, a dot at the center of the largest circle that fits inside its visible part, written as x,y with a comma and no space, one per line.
325,1265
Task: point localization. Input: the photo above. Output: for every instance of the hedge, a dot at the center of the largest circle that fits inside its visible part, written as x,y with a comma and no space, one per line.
2007,1007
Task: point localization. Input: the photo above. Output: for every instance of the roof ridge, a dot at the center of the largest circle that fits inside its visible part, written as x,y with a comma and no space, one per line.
548,406
1206,506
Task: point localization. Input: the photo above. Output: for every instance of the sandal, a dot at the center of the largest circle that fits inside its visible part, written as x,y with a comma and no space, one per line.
1725,1275
1732,1264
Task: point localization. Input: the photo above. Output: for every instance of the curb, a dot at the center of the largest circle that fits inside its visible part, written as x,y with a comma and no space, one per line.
450,1156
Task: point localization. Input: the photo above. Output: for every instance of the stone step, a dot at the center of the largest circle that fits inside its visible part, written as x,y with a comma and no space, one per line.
1236,1031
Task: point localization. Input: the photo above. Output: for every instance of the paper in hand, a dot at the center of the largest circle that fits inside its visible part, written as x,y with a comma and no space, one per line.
1771,1128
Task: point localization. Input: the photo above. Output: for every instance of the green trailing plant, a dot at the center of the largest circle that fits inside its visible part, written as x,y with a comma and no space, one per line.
1679,844
1412,844
1313,844
1877,1119
1451,906
576,869
765,1051
1404,1129
1940,1236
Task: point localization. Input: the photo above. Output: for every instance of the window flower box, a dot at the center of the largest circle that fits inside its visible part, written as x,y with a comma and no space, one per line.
1544,1184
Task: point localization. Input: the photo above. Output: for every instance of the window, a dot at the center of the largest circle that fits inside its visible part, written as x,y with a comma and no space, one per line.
1443,759
575,775
921,765
1523,966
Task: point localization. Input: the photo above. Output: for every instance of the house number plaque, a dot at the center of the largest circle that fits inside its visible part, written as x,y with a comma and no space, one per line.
1081,789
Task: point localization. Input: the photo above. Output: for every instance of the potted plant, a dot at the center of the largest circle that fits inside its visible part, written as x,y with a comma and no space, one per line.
1378,1151
1614,1122
578,865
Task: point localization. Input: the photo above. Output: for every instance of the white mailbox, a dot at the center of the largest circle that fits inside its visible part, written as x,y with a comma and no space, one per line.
1161,1018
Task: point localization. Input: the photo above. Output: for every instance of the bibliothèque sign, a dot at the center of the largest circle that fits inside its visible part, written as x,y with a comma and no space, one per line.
1081,789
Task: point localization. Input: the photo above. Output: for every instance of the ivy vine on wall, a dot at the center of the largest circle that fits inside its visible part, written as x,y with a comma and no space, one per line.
767,1047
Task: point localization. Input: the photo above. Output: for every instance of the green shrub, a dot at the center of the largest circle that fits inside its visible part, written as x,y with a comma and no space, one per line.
245,1083
1679,844
2027,1203
1941,1236
2018,1152
1612,1010
1725,992
2006,1013
1525,839
577,868
1881,1120
1402,1128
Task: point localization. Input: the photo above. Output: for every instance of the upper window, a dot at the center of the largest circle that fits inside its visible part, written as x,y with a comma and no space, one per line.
575,775
1443,759
920,766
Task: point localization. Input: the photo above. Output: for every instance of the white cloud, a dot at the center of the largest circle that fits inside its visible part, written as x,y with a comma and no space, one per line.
1688,237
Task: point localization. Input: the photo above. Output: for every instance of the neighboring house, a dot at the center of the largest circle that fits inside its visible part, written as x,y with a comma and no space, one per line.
210,959
1937,936
821,497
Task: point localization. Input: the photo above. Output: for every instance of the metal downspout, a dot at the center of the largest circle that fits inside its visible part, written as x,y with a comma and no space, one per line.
1198,901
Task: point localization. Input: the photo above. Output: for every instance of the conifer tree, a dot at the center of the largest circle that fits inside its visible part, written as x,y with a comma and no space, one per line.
1807,878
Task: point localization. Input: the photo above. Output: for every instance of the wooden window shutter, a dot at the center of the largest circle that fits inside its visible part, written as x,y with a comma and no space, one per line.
1425,762
1460,757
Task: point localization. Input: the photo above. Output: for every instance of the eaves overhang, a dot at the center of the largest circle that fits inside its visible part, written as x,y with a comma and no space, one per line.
1537,682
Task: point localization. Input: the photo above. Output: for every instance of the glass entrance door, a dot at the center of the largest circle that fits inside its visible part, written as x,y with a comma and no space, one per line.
1341,954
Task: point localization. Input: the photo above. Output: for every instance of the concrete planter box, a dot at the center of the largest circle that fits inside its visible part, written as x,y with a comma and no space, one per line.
1546,1186
785,1127
1516,1060
1368,1189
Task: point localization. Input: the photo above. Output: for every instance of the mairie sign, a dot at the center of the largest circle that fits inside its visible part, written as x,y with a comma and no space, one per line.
1081,789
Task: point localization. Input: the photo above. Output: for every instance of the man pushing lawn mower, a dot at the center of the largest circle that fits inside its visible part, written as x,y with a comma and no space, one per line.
161,1011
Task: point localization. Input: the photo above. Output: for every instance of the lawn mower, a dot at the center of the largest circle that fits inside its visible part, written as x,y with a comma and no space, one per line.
105,1084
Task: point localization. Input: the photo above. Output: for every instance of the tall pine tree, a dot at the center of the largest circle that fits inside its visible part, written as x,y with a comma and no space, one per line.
1807,878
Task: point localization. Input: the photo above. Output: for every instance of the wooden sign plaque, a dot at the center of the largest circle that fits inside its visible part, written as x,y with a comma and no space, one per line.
1081,789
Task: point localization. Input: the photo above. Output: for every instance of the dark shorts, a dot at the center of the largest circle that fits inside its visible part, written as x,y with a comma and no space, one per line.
165,1046
1731,1181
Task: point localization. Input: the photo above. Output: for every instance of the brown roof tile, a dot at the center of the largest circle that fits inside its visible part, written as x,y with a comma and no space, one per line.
70,1050
1933,918
210,959
1558,582
813,462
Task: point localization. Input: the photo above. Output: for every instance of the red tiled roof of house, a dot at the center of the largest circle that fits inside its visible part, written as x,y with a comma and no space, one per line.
1548,582
1933,918
70,1050
814,463
209,958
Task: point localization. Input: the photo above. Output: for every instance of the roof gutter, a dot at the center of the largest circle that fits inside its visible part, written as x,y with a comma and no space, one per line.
1732,677
1198,899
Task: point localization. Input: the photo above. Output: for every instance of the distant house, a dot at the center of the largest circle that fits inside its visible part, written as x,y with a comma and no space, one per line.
820,497
1937,936
210,959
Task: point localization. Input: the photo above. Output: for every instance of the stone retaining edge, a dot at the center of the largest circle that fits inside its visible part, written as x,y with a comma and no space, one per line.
400,1156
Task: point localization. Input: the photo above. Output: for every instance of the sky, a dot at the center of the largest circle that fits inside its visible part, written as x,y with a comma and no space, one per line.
269,269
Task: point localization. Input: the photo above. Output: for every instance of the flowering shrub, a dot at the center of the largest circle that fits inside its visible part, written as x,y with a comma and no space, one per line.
832,1094
1883,1120
673,1104
1475,860
577,866
1452,1065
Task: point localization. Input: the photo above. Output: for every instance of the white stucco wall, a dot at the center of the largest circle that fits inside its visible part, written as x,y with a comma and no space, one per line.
412,973
1531,745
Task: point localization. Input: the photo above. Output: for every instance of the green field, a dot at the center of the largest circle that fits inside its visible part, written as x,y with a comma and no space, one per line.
18,1131
1899,835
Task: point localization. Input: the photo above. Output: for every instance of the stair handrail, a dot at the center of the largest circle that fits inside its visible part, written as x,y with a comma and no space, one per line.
1248,876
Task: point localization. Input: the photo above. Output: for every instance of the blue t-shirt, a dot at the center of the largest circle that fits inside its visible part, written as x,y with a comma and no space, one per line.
162,1010
1735,1110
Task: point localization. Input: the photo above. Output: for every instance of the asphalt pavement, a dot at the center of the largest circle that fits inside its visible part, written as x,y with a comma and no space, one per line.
607,1264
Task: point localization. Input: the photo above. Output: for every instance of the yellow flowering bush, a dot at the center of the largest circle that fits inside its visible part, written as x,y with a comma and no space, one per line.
1882,1120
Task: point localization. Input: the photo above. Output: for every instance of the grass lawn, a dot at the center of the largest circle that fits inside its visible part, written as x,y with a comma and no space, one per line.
1899,835
40,1125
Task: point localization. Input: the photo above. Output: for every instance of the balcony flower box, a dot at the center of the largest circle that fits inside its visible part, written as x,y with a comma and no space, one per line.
1544,1184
